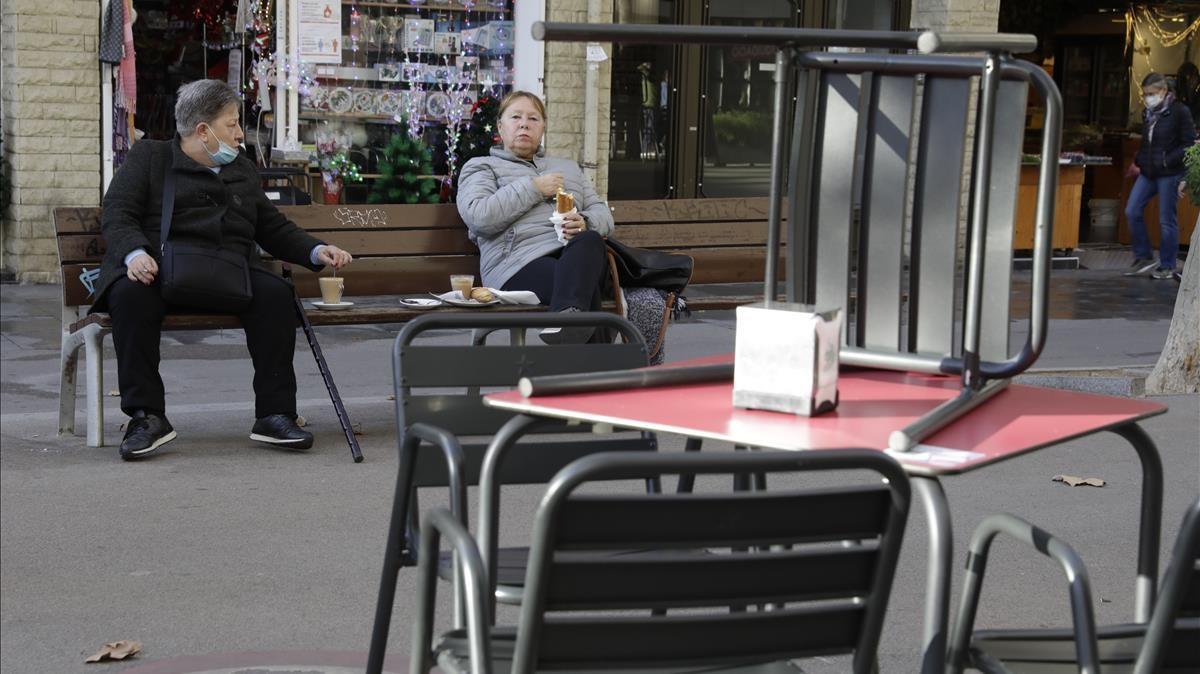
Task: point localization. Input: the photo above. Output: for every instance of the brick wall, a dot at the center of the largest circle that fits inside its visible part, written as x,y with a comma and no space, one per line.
51,102
965,16
564,86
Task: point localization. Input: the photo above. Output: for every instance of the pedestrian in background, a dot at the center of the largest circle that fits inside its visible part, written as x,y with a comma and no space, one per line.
1167,132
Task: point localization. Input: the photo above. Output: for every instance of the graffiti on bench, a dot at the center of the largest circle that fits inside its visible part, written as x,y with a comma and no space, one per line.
361,217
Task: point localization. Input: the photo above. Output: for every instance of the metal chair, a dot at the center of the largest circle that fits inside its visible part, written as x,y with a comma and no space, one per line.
1170,642
864,124
438,401
874,133
781,551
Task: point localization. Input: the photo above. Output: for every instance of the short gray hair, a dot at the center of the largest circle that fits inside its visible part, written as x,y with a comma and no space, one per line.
201,101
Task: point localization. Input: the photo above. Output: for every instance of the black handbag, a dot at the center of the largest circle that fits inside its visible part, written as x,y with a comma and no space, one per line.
196,276
642,268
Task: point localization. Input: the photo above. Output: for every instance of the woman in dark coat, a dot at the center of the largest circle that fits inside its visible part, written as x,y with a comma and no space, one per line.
219,202
1167,132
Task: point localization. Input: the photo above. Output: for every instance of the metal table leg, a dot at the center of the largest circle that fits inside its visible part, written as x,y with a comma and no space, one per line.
937,579
1150,527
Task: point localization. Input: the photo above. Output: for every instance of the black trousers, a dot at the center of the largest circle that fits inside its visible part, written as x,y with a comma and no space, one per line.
270,323
570,277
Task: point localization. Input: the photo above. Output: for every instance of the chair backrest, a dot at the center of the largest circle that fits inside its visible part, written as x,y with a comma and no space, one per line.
879,134
747,576
1173,637
442,385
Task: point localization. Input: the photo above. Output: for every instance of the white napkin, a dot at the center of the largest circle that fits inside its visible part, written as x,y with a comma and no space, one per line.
505,296
558,221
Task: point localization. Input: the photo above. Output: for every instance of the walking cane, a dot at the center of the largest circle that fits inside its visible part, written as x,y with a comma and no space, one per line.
338,407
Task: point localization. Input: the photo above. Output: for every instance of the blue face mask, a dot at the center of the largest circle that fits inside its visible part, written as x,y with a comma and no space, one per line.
224,154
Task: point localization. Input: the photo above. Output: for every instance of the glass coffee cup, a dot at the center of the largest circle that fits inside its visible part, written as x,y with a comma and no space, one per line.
462,283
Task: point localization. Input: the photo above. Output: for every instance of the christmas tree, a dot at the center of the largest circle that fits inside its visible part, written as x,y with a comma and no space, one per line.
477,135
401,168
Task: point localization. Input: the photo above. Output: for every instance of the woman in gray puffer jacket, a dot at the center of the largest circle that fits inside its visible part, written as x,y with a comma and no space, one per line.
506,200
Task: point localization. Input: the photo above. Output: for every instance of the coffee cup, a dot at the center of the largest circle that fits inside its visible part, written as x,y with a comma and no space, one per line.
462,283
331,289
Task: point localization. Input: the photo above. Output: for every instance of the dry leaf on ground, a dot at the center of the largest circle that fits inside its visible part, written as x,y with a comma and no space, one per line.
301,421
117,650
1076,481
114,393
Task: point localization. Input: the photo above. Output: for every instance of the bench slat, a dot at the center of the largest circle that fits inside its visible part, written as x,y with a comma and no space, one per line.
365,243
689,210
375,216
75,220
87,248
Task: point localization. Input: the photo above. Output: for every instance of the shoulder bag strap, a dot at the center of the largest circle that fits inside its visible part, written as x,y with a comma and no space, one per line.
168,207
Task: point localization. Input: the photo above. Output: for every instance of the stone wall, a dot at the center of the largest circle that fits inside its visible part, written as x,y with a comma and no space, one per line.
51,102
960,16
565,88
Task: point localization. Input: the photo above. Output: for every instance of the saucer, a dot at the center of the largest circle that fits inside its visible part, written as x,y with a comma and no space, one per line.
420,303
332,307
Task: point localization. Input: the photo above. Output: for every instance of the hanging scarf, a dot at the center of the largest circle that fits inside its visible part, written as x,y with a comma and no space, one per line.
127,71
1151,116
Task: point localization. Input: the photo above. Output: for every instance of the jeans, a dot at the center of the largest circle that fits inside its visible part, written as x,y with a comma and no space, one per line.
1143,191
570,277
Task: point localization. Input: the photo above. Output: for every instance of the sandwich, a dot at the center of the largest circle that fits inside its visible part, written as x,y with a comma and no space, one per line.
563,202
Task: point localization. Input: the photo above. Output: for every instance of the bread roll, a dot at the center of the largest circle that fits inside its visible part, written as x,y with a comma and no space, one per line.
482,295
564,202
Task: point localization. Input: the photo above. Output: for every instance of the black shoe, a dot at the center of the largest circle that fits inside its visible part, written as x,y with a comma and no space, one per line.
144,434
1163,274
577,334
280,429
1140,266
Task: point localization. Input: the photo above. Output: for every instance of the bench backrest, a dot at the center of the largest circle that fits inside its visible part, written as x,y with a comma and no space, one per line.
402,249
878,134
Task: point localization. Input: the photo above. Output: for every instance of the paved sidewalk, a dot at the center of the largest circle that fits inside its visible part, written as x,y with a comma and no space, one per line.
222,555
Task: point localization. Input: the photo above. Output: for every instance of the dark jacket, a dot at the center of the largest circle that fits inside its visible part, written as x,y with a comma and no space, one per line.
226,209
1162,154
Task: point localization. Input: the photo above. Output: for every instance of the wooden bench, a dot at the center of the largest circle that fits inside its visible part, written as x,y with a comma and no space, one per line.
400,250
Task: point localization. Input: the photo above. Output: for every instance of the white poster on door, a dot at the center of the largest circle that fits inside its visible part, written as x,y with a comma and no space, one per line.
321,31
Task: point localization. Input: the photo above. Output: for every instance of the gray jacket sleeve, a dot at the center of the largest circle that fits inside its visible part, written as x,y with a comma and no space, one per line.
487,208
598,214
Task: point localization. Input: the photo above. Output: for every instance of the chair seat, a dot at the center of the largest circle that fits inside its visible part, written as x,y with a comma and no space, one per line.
453,658
1050,651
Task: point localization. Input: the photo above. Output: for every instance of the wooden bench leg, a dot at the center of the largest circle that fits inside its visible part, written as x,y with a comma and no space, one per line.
68,368
93,343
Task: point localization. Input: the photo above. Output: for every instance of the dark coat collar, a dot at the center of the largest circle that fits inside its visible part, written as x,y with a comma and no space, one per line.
233,172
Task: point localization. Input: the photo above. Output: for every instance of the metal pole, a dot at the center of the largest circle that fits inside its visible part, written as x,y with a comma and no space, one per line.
783,69
554,31
989,83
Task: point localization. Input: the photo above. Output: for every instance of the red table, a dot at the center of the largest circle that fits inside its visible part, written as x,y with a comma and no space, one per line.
872,404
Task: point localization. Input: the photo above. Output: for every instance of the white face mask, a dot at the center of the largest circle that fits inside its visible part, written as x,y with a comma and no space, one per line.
1153,100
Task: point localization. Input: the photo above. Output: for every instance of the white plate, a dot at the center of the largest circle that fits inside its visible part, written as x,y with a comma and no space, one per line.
332,307
449,299
420,302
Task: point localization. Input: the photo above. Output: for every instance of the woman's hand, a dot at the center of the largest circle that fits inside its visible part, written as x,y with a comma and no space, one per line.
548,184
573,224
333,256
142,269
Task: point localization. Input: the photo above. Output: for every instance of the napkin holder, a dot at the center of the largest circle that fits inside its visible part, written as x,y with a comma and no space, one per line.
786,358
